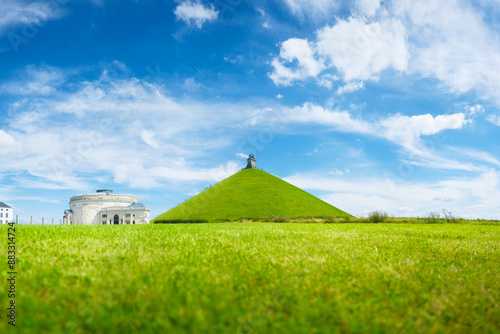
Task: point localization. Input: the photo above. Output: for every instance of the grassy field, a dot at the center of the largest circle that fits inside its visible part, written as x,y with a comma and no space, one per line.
257,278
251,193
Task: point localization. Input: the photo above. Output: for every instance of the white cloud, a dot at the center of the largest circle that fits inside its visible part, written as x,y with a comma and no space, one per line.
350,87
147,136
354,48
8,144
301,51
113,127
450,41
401,130
359,50
494,119
326,80
475,109
36,80
477,155
194,12
279,96
311,9
339,120
406,130
15,12
368,7
401,197
242,155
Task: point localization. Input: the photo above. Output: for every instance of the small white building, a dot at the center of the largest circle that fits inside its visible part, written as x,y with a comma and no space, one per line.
105,208
6,213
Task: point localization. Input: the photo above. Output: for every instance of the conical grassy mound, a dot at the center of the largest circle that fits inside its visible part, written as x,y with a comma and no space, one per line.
251,193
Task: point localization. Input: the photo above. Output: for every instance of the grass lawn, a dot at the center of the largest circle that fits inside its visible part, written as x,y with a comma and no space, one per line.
257,278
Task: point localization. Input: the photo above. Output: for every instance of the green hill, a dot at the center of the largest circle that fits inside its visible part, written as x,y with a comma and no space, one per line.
251,193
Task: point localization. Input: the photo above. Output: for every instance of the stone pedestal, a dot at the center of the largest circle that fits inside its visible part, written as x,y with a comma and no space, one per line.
251,162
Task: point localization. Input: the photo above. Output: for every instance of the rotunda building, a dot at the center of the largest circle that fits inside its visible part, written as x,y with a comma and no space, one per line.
105,208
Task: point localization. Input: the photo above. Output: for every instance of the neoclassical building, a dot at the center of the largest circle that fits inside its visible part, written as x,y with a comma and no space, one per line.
105,208
6,213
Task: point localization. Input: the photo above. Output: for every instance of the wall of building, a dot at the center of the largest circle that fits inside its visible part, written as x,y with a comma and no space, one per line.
7,215
100,208
125,216
86,208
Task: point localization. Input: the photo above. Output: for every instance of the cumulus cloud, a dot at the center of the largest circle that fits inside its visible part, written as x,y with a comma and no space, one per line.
299,51
357,50
451,41
195,13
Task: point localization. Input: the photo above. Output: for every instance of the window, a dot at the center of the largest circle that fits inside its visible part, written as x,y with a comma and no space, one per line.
104,216
1,214
133,215
133,222
6,215
127,215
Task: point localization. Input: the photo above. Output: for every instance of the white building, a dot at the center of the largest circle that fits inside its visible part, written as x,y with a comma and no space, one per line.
6,213
105,208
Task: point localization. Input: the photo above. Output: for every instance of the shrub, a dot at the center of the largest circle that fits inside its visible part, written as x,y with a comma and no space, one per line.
378,216
329,220
432,217
349,219
450,218
277,219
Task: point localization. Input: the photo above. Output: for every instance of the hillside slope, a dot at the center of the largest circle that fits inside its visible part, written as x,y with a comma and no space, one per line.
251,193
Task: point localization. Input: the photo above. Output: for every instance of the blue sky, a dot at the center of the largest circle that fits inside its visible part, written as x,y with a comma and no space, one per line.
367,104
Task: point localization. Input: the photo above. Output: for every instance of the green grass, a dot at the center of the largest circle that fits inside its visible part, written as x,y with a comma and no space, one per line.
251,193
257,278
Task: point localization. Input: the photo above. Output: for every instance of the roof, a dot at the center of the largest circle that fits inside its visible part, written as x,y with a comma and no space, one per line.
3,205
136,205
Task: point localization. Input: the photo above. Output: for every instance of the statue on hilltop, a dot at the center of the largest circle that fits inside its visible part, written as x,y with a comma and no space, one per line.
251,162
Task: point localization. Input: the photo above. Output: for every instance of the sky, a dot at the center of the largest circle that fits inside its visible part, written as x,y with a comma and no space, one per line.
369,105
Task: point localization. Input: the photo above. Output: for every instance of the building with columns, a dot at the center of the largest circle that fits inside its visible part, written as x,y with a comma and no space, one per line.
6,213
105,208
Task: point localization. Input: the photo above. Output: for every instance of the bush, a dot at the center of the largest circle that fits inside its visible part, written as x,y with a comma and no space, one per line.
349,219
432,218
450,218
329,220
378,217
274,219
